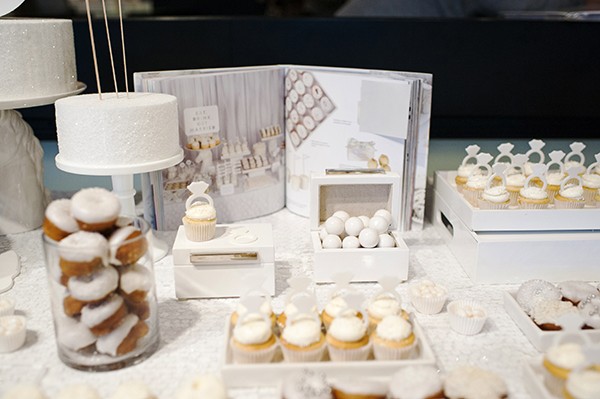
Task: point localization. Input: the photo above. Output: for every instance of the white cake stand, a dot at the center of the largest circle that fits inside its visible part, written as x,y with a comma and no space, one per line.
122,182
22,193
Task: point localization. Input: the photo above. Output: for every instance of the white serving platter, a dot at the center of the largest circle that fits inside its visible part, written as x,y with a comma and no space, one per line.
533,380
513,219
271,374
541,339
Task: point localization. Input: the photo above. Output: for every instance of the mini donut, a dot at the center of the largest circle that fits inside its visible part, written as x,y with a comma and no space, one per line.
300,87
301,108
140,309
317,114
58,221
307,79
124,338
302,132
293,95
135,282
95,286
95,209
309,122
127,246
326,104
308,100
317,92
102,317
72,334
81,253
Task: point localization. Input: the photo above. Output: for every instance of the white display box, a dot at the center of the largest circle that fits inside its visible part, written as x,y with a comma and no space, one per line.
533,380
357,194
221,267
516,245
542,340
269,374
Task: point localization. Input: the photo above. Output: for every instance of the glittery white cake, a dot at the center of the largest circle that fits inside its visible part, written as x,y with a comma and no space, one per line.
37,58
117,132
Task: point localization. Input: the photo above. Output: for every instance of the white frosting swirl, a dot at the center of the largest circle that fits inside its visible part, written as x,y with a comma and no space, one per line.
515,180
426,289
347,329
95,205
555,178
415,382
59,213
550,311
393,328
384,306
466,169
477,182
572,192
83,246
251,332
533,193
201,211
303,332
335,307
566,356
584,384
468,382
591,181
496,194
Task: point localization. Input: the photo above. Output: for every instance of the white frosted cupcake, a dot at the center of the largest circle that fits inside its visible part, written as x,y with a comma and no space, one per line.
200,222
462,175
466,317
302,339
584,384
12,333
570,197
382,306
7,307
553,181
347,339
427,297
469,382
393,339
494,198
336,307
474,187
559,361
416,382
533,198
253,341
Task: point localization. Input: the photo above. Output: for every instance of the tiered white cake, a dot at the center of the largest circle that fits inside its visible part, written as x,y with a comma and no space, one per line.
115,133
37,58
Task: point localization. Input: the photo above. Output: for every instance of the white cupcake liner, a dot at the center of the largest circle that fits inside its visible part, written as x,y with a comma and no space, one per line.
383,352
199,231
14,340
551,194
460,187
241,356
472,196
297,356
9,309
513,197
529,205
431,305
568,204
483,204
465,325
349,355
554,384
590,196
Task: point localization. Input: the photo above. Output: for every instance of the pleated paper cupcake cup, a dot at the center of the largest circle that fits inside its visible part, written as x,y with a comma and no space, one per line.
298,356
383,352
590,196
554,383
513,196
531,205
552,193
568,204
471,196
242,356
349,355
428,305
198,231
462,324
15,338
483,204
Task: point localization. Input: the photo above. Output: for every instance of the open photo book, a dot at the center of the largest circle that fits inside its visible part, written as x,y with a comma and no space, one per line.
255,135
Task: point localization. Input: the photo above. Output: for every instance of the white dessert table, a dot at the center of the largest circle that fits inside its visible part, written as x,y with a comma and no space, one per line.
192,332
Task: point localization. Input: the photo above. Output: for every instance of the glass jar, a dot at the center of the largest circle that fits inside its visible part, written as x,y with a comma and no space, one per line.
103,297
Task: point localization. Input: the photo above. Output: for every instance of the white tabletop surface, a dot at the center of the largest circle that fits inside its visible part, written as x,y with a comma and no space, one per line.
192,332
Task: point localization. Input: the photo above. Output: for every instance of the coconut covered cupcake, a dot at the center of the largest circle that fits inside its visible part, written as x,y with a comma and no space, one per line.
393,339
386,302
252,339
468,382
347,338
301,339
416,382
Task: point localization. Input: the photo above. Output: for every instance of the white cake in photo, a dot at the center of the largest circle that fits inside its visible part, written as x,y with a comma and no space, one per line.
37,58
116,132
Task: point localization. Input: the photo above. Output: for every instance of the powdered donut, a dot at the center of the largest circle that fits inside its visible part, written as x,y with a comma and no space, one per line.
124,338
72,307
73,334
58,221
95,209
82,252
140,309
95,286
103,317
135,282
126,246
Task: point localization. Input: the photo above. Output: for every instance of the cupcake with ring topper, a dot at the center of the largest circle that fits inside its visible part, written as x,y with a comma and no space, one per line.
505,151
200,218
591,182
298,288
495,197
347,337
302,339
385,302
515,177
570,195
576,151
535,147
255,281
337,305
465,168
554,177
477,180
532,196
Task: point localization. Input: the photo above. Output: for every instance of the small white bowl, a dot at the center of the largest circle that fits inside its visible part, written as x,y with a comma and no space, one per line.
466,317
13,330
430,303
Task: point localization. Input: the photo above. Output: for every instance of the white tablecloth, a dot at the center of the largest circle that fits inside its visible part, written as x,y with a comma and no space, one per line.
192,332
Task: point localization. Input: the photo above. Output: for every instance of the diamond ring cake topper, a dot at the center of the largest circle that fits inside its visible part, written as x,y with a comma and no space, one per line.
518,161
253,305
497,171
472,152
556,157
483,161
354,303
298,287
505,150
388,288
572,174
538,171
576,150
342,284
198,189
306,306
590,168
536,148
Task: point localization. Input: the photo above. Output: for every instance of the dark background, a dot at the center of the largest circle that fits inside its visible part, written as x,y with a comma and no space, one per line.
492,77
